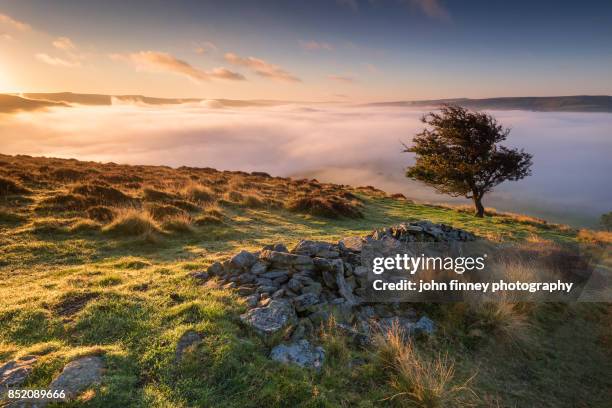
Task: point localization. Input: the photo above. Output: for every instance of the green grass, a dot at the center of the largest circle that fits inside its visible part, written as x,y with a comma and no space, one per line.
142,299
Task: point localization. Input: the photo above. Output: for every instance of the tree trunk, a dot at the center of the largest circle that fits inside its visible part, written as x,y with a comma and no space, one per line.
478,205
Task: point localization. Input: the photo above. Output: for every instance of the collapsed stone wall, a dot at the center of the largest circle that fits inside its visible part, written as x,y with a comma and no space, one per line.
290,293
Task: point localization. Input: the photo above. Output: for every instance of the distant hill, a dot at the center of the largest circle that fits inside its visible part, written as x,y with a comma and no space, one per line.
579,103
100,99
14,103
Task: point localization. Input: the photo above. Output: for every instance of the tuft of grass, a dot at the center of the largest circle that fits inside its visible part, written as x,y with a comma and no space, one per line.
101,213
10,187
67,174
152,194
63,202
419,380
132,222
181,223
84,225
101,194
335,343
198,193
325,206
163,211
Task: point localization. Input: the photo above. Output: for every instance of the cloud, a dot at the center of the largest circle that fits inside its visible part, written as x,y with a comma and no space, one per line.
352,4
347,79
205,48
19,25
316,46
431,8
155,61
56,61
6,36
64,44
349,145
261,67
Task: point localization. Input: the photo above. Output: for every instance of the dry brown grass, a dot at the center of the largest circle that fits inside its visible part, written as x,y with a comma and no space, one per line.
179,223
419,380
10,187
163,211
198,193
63,202
132,222
101,194
595,237
325,206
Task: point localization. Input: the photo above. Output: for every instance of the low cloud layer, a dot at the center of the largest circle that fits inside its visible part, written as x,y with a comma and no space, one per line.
333,143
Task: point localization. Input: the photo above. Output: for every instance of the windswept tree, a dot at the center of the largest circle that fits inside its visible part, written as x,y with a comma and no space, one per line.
458,154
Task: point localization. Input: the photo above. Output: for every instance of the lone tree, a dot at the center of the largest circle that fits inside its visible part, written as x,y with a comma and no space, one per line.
459,154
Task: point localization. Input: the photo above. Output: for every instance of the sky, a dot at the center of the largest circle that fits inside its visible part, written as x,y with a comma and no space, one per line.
317,50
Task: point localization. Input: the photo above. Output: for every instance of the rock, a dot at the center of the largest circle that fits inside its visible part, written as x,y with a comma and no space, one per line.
200,275
360,271
313,248
273,274
345,289
14,373
78,375
329,279
301,353
215,269
252,300
322,264
405,325
314,287
303,263
305,302
246,278
354,244
246,290
267,289
294,284
269,320
425,325
277,259
243,259
258,268
280,248
278,294
188,340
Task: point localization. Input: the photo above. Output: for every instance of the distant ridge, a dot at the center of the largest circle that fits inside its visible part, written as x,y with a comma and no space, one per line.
578,103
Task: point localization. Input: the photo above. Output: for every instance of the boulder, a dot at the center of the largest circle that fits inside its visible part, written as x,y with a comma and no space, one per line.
301,353
243,260
78,375
271,319
315,248
216,269
258,268
305,302
14,373
275,273
425,325
353,244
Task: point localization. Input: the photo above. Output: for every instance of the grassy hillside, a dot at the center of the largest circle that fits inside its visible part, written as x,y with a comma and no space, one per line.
98,259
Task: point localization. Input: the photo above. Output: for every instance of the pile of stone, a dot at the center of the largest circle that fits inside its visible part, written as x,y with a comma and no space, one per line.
290,293
422,231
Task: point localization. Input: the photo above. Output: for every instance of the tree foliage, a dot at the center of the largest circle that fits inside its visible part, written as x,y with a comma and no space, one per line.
459,154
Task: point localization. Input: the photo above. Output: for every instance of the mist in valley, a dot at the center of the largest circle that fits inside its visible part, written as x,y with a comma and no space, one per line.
335,143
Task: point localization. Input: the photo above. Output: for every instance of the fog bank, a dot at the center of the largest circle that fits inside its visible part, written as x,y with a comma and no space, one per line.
344,144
